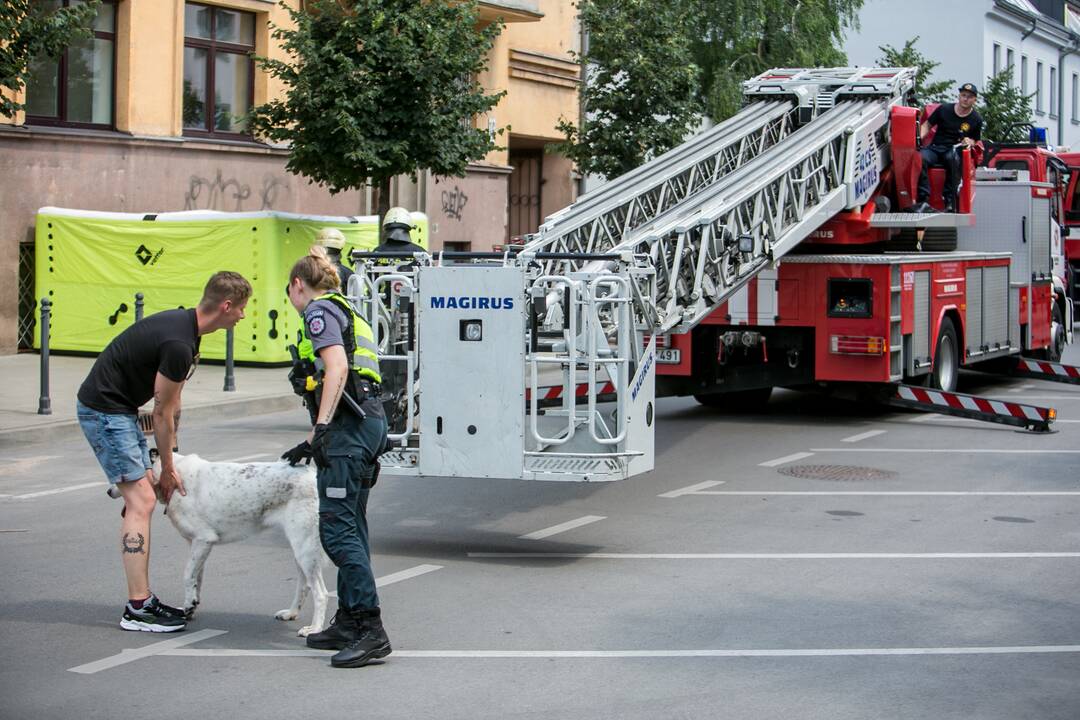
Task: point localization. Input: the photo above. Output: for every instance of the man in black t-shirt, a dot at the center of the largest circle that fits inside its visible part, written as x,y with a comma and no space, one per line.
958,124
151,359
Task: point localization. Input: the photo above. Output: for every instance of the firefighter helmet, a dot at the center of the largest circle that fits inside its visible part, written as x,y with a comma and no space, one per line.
331,238
396,225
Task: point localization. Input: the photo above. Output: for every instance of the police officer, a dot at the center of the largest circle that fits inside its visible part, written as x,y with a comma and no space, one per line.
348,437
396,225
332,239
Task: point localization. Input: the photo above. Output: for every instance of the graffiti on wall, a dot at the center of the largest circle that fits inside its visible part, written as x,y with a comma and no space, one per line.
230,194
453,202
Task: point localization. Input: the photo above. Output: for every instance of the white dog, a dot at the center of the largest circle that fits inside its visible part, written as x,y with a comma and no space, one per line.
226,502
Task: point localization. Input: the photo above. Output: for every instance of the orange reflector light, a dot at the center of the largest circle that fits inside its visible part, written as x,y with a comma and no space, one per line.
1051,414
857,345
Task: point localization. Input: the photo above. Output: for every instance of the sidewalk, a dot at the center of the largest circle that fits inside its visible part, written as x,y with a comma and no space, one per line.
258,390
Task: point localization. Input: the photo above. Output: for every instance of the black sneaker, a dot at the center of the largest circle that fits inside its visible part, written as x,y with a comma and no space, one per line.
175,611
152,617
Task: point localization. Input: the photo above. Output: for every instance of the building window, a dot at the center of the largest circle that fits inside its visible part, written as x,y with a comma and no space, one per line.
218,70
1010,63
997,58
1053,93
1023,75
1075,104
1038,87
76,90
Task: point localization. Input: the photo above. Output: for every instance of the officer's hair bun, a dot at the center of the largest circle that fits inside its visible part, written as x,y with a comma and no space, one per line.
316,270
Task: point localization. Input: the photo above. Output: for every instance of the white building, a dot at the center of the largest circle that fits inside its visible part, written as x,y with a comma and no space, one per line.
974,39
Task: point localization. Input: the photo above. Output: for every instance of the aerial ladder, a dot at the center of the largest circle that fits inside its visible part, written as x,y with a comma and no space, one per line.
540,363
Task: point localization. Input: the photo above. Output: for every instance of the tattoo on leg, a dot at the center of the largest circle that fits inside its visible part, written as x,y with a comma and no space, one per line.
135,544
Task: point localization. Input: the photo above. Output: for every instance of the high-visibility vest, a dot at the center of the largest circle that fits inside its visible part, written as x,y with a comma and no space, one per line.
359,341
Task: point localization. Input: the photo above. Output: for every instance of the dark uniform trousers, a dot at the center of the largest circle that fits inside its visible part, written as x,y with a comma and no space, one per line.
343,494
938,156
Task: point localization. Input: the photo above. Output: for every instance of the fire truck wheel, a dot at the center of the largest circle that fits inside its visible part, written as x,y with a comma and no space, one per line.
1057,336
740,401
946,358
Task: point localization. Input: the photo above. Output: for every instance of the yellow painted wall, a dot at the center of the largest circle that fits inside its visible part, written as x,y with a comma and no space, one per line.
532,108
150,61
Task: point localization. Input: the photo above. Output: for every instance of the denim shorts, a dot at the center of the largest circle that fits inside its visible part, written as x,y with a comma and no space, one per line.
118,443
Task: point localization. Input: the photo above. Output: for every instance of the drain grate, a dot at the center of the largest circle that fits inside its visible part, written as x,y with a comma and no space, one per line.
838,473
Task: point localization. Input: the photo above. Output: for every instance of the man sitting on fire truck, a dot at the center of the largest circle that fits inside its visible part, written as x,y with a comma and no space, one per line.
958,125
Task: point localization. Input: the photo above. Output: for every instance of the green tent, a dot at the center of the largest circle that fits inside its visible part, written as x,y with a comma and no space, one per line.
90,265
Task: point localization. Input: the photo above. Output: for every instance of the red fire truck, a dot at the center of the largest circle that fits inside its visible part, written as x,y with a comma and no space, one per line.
881,295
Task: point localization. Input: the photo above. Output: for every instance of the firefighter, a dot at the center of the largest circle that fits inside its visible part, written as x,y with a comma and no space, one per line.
332,239
396,225
958,124
345,443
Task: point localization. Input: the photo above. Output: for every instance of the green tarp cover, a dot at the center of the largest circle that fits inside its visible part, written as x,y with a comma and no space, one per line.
91,264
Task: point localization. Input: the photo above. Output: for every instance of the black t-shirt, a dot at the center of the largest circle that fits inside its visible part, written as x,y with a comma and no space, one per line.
122,379
951,127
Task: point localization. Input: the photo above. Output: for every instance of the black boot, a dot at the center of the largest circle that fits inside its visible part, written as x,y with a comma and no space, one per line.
342,629
370,643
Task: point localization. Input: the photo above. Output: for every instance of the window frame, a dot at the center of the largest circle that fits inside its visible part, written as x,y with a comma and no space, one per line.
1024,75
59,120
1054,99
212,46
1039,88
1075,101
996,62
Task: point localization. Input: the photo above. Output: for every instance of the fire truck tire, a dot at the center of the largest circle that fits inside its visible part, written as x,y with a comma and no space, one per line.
740,401
946,368
935,239
1057,336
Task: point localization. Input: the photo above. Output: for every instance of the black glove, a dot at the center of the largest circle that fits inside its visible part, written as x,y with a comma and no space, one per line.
320,445
298,453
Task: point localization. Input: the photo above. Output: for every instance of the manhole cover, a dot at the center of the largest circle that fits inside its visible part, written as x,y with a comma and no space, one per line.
840,473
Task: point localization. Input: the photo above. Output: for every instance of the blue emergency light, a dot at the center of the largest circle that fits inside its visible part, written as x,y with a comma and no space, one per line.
1037,135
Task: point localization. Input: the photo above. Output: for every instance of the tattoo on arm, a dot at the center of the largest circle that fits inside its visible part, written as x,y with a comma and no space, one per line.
337,398
135,544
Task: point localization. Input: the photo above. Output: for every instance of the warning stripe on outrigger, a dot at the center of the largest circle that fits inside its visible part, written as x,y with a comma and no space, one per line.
1004,412
555,392
1045,370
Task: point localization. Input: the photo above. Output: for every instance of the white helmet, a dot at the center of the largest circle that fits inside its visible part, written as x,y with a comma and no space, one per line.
397,216
331,238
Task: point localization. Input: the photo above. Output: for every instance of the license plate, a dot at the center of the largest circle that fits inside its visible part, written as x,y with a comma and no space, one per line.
668,356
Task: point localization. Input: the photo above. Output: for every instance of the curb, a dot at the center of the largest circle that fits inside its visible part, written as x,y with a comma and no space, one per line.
67,429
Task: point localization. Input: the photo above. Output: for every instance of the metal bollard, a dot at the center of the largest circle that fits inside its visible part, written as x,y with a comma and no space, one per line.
230,378
138,306
44,403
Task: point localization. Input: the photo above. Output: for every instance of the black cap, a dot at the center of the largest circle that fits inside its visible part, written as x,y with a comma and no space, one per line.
968,87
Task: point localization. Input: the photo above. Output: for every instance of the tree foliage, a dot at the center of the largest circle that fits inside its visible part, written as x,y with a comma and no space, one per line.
926,92
739,39
1005,109
30,29
379,88
639,96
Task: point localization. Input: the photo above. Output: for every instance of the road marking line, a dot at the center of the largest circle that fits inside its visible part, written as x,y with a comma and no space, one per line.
244,458
132,654
958,451
14,530
1063,396
912,493
562,527
770,556
863,436
691,489
953,418
1021,388
615,654
401,575
785,459
57,491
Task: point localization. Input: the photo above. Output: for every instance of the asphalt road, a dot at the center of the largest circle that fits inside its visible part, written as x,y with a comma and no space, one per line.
817,560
